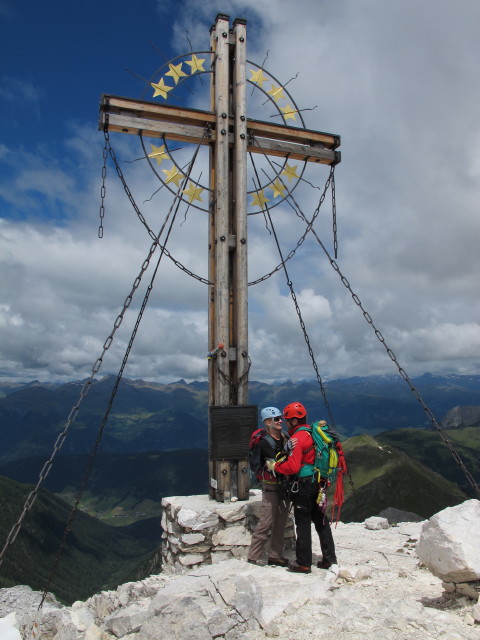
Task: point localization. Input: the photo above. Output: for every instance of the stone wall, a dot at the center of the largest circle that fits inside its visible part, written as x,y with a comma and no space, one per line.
198,530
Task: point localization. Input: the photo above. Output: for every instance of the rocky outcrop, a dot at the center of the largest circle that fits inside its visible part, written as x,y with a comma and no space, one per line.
450,543
379,590
462,417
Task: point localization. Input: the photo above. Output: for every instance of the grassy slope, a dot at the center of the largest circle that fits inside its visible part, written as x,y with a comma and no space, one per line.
386,477
96,556
428,447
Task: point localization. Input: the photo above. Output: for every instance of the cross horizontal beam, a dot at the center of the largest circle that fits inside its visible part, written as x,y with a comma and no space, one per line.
189,125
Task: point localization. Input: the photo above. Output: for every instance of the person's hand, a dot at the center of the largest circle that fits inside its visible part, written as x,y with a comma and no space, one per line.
270,464
291,444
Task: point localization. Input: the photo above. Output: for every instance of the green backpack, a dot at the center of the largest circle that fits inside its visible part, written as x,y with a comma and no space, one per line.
327,459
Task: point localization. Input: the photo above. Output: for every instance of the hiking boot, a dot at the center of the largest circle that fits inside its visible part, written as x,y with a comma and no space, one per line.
279,562
257,562
298,568
326,564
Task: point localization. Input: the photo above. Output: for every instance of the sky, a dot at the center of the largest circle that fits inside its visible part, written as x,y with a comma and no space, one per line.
398,81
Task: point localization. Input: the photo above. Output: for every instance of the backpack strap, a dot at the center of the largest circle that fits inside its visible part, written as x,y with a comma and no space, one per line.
263,475
307,469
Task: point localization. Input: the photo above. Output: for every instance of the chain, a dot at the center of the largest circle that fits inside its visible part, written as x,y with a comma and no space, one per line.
103,188
142,219
304,329
308,228
93,453
176,204
334,219
74,411
228,380
401,370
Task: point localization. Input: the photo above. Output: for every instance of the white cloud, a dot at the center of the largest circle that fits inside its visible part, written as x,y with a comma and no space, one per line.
399,83
19,91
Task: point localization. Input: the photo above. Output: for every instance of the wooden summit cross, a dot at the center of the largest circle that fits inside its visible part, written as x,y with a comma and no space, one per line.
231,135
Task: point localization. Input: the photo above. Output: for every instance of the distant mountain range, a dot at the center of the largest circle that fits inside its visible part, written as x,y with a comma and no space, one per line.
154,417
155,445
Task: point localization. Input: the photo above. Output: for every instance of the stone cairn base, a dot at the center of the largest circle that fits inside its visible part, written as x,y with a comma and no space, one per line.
198,530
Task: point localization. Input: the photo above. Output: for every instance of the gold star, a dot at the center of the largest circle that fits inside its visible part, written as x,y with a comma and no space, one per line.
176,72
259,199
196,64
159,153
257,77
290,172
278,189
173,175
289,112
193,192
161,89
276,93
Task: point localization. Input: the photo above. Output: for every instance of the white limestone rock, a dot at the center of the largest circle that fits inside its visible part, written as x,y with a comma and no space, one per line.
196,521
127,619
8,628
192,538
190,559
476,612
449,544
232,536
376,523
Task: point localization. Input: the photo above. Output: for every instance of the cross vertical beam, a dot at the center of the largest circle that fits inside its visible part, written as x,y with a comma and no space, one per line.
228,307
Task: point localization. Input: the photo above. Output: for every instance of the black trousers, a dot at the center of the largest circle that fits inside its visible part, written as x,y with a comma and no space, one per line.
306,511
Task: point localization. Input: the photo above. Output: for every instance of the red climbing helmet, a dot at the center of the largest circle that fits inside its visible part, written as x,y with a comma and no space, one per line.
294,410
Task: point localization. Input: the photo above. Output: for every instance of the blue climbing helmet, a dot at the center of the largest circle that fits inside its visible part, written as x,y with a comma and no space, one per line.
270,412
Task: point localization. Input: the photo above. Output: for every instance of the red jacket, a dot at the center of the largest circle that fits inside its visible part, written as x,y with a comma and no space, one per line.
303,452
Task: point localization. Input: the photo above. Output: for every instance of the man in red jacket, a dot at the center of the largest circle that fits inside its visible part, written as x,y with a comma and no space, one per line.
304,493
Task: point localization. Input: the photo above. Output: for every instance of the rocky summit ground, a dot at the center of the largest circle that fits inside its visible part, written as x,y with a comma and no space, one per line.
378,591
381,592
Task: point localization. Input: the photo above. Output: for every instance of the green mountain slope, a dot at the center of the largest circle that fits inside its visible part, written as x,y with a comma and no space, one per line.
427,446
120,485
96,556
384,476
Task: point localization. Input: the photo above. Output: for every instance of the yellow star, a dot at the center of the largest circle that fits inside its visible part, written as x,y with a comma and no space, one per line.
193,192
257,77
259,199
196,64
289,112
159,153
290,172
276,93
173,175
161,89
278,189
176,72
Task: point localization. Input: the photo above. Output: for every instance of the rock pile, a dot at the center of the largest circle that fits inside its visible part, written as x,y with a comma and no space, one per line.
380,590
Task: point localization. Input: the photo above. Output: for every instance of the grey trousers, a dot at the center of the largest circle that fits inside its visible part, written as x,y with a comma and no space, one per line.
273,517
